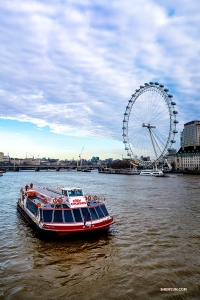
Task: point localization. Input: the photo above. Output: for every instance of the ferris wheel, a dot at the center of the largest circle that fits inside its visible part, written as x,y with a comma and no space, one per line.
149,124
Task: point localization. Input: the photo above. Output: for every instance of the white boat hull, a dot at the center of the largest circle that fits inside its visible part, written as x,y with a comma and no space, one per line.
158,173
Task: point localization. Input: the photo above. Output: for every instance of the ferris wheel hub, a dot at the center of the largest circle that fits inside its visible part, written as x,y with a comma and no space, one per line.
148,125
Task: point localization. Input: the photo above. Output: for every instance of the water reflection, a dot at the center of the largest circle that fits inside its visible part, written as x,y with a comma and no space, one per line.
154,242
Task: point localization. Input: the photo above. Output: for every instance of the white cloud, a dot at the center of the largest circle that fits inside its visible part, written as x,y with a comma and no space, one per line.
66,64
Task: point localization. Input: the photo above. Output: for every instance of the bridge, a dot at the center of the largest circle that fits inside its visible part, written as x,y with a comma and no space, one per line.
17,168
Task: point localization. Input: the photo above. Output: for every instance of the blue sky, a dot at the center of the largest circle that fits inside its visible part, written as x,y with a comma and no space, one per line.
68,69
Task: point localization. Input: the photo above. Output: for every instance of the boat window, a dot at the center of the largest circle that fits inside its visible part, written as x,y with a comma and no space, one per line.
85,212
73,193
68,215
79,193
32,207
40,214
99,211
64,192
58,216
77,215
93,213
47,216
103,208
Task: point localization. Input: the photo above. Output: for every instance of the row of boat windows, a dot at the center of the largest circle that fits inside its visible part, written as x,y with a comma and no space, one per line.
67,215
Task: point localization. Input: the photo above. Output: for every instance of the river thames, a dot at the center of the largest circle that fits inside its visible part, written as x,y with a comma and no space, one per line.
150,252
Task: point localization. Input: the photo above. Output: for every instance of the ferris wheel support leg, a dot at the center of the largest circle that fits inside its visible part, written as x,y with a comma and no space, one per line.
152,138
157,142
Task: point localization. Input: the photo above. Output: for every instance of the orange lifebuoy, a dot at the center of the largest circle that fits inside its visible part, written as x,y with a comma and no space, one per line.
86,197
95,197
59,200
89,198
44,201
54,200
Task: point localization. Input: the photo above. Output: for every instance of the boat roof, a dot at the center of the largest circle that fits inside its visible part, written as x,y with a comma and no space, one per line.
49,191
54,191
70,188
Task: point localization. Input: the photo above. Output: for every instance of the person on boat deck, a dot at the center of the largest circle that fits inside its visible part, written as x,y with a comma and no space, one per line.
31,185
26,187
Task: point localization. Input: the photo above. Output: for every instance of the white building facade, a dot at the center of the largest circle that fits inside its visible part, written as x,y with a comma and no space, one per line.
188,158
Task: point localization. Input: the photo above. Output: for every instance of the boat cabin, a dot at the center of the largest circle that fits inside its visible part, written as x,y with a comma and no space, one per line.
72,192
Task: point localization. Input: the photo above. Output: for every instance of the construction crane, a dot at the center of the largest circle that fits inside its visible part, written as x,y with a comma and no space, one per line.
81,153
79,162
32,155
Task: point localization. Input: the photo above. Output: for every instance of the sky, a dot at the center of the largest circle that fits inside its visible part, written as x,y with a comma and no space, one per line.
68,69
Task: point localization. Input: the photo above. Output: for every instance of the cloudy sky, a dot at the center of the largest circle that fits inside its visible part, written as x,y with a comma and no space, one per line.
69,67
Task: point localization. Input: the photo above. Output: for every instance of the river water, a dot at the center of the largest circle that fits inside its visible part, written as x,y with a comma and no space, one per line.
150,252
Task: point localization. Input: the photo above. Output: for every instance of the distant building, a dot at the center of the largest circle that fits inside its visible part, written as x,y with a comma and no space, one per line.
145,158
170,155
171,152
4,158
188,158
108,160
190,136
95,159
181,138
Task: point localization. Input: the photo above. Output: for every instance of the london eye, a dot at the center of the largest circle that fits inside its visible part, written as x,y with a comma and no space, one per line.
149,124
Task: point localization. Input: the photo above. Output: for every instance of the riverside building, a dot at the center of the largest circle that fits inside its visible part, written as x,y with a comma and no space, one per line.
188,158
190,136
4,158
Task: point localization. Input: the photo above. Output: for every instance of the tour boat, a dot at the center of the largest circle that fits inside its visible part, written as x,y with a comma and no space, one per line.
158,173
146,172
155,173
63,210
